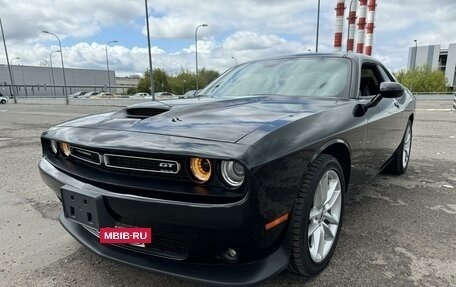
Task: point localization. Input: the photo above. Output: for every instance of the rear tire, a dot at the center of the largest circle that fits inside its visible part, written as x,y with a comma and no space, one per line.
317,216
3,102
401,158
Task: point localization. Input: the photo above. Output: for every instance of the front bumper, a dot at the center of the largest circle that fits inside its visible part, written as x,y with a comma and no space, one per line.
227,275
219,223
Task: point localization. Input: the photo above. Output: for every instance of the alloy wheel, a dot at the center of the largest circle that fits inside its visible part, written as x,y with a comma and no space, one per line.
406,147
324,216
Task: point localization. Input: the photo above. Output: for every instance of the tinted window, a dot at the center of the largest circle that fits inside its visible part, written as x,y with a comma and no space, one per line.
386,76
307,77
370,80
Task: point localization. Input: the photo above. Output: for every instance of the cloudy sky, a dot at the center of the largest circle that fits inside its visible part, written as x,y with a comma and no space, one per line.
244,29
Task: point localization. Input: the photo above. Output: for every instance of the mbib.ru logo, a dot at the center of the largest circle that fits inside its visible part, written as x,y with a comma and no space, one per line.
130,235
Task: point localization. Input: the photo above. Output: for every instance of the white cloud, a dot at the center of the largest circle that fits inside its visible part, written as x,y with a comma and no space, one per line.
245,40
244,29
178,18
24,20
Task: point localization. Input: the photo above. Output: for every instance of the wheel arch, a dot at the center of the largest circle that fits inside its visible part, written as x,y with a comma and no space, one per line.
339,149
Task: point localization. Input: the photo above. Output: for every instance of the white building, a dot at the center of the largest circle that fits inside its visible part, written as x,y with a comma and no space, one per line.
42,81
124,83
436,58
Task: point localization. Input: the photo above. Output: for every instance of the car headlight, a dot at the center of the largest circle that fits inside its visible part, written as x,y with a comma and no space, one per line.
201,169
65,149
233,173
54,147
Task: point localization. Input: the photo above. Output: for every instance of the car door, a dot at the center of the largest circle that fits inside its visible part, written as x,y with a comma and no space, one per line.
384,121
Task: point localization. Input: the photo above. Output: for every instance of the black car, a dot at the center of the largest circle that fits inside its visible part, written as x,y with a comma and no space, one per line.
246,179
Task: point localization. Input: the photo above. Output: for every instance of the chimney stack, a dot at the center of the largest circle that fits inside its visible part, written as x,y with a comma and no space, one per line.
370,26
340,7
361,26
351,26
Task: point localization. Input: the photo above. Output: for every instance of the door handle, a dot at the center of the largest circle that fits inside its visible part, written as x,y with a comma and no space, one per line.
396,103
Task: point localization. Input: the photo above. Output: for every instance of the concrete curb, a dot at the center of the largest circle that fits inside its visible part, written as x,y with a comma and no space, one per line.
434,96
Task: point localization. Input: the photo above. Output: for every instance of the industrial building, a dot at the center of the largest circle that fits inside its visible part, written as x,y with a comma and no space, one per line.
44,81
435,57
124,83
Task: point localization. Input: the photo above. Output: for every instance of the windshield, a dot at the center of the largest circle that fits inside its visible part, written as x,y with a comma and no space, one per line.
305,76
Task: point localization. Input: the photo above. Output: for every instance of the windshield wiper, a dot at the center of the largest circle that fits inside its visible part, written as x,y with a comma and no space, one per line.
215,87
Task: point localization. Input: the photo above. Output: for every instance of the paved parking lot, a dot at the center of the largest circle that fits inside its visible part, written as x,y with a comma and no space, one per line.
398,231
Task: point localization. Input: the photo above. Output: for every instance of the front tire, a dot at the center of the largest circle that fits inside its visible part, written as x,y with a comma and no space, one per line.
401,158
3,102
317,216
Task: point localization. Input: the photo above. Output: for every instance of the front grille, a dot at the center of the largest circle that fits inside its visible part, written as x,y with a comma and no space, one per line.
158,176
141,163
86,155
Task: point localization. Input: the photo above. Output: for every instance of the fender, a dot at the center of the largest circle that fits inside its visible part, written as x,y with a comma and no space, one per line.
328,144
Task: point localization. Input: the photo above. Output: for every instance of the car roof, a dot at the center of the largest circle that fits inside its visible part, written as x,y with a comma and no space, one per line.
353,56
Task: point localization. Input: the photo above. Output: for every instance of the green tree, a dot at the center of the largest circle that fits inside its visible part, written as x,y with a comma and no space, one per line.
177,84
131,91
161,81
423,79
183,82
206,76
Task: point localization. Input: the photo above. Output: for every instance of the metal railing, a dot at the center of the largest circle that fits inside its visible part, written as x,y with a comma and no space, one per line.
57,91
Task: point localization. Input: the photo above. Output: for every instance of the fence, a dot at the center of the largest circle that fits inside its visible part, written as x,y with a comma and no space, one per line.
49,91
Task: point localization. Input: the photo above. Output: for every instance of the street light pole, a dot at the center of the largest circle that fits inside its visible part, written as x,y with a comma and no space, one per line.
8,63
63,66
107,62
196,52
414,64
235,60
52,70
318,27
12,72
151,72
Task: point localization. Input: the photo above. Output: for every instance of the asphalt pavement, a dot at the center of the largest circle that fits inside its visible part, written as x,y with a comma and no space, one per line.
398,231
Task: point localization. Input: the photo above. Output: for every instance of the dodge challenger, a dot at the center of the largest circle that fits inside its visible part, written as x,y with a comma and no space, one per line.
237,184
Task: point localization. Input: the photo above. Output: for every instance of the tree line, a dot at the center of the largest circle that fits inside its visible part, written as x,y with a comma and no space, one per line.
423,80
177,84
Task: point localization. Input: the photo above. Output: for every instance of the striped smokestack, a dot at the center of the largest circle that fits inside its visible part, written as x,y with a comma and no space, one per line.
361,26
340,7
370,26
351,25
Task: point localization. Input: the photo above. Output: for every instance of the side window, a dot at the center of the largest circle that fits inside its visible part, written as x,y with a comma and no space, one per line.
386,75
370,80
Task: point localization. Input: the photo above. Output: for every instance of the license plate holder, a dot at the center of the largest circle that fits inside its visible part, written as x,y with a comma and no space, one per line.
85,207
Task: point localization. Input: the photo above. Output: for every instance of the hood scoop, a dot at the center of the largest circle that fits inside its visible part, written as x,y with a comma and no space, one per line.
145,112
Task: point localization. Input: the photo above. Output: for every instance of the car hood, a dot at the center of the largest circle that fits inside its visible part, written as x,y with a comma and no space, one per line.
216,119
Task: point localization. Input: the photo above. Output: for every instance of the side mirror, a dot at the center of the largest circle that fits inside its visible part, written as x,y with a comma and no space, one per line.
387,90
391,90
